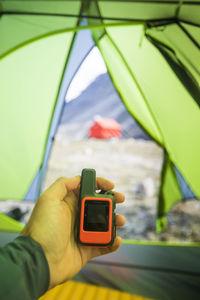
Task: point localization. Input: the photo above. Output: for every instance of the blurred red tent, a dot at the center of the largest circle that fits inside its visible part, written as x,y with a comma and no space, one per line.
105,129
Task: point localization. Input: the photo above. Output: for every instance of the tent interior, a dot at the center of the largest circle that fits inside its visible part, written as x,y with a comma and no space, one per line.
151,51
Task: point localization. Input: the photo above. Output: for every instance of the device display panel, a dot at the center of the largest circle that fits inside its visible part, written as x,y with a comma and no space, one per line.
96,216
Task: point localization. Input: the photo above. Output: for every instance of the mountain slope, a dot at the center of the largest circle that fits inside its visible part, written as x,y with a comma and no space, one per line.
101,98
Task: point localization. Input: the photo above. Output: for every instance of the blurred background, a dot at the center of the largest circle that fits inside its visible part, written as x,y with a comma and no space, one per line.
96,131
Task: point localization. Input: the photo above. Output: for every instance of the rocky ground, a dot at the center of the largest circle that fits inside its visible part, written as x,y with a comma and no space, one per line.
134,166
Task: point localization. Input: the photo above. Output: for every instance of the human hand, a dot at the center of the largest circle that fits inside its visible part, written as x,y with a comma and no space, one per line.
53,224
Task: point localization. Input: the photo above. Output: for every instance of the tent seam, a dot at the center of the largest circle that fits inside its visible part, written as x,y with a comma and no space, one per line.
188,35
61,31
82,16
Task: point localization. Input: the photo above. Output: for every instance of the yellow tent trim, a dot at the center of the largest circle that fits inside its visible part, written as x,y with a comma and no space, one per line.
81,291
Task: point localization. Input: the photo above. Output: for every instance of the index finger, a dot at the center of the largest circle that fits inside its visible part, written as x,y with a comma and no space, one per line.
119,197
101,184
104,184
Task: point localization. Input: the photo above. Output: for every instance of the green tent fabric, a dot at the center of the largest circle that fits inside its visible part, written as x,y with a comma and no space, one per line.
151,49
7,224
163,99
23,137
169,113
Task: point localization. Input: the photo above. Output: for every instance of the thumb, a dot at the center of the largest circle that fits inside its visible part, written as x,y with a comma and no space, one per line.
95,252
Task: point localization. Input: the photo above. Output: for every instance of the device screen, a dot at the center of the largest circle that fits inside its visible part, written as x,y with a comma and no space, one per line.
96,215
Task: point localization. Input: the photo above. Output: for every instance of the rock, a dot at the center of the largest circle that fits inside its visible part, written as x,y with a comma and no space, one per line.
140,191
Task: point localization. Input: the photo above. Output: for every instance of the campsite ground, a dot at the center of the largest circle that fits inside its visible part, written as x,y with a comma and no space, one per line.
134,165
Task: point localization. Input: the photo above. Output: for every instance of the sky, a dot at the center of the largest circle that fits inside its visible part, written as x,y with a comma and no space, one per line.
91,68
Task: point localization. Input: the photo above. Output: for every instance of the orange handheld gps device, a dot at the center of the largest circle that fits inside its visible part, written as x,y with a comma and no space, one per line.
96,213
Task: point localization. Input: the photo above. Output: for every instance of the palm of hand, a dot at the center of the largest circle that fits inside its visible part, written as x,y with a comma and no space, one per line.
67,257
53,225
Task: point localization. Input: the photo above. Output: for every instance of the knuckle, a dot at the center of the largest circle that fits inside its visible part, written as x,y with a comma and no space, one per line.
61,179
